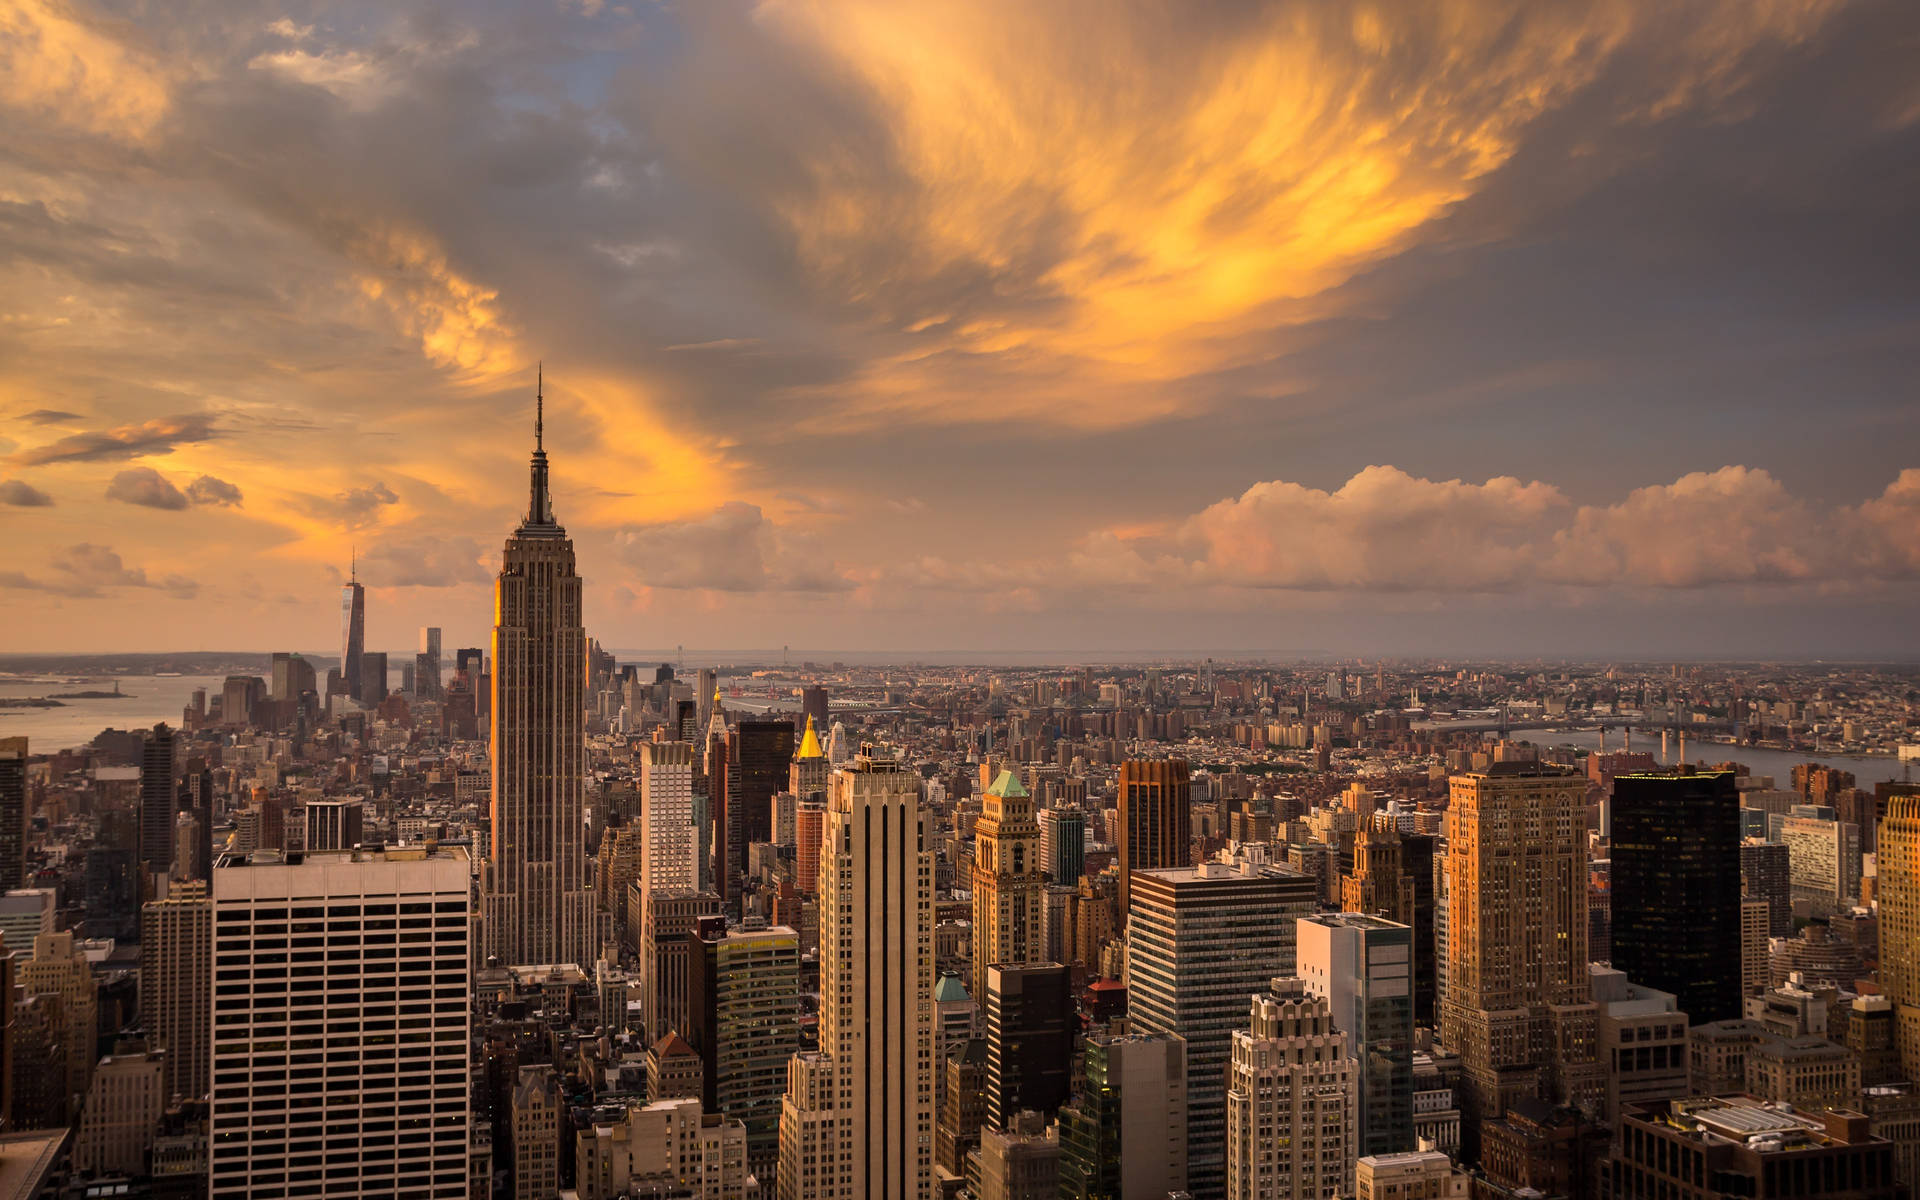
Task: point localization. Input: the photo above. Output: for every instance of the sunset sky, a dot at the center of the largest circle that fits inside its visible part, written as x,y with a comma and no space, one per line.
1040,325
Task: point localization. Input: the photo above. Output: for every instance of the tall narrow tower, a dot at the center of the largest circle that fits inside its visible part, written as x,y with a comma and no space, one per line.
857,1119
1898,856
353,630
1156,821
1519,1006
537,905
1007,882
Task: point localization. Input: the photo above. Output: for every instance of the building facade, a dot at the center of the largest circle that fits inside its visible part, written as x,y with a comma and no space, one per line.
1007,882
536,905
1155,825
1363,967
340,1024
176,985
1200,941
1290,1128
857,1118
1518,1009
1676,888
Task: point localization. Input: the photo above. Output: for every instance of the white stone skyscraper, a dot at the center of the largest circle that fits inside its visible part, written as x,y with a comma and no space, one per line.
857,1119
537,907
670,848
1290,1101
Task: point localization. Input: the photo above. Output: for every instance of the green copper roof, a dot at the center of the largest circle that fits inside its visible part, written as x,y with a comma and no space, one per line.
949,989
1008,785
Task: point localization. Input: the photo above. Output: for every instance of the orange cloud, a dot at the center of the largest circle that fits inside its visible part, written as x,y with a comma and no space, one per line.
58,62
1118,194
1387,531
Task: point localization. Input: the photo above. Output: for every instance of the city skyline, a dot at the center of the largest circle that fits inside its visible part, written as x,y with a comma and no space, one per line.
1600,352
1373,547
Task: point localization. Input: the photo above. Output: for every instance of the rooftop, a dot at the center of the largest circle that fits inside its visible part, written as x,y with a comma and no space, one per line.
1007,786
1756,1124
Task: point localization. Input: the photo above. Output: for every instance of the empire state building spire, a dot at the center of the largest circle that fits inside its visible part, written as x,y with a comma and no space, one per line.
540,502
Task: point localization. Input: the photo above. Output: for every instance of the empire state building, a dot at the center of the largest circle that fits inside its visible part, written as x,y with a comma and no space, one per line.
536,905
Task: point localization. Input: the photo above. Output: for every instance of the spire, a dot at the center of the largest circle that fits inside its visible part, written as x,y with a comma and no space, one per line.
810,742
540,502
353,563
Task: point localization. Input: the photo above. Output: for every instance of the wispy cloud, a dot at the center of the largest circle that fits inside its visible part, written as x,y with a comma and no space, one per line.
158,436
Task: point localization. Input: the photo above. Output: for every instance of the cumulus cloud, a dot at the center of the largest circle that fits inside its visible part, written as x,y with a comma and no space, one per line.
735,549
216,492
354,508
86,571
434,562
18,493
146,487
1385,530
158,436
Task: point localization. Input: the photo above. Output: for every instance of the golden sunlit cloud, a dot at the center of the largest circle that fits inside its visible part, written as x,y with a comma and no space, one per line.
1130,197
459,322
58,63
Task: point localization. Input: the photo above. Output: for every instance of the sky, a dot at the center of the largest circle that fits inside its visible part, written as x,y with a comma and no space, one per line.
1585,329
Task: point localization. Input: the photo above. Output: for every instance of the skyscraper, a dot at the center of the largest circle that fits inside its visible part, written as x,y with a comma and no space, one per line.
1124,1137
810,772
334,823
353,631
744,1008
373,677
1363,966
1899,890
58,968
1156,820
670,847
1519,1009
13,813
1766,873
857,1119
176,984
426,663
1290,1122
1007,882
1063,845
1676,888
813,705
1200,940
375,1048
1030,1024
537,905
156,800
765,759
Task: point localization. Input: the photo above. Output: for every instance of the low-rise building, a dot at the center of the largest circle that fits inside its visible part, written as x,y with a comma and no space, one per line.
1707,1148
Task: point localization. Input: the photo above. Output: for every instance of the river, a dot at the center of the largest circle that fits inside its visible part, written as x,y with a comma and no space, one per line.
145,700
1867,770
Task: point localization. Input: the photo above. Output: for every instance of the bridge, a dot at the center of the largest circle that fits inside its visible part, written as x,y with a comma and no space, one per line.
1565,725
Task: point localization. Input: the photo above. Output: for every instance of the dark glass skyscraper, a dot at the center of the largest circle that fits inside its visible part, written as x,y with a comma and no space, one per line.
353,632
1676,888
765,761
1030,1025
156,799
13,813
